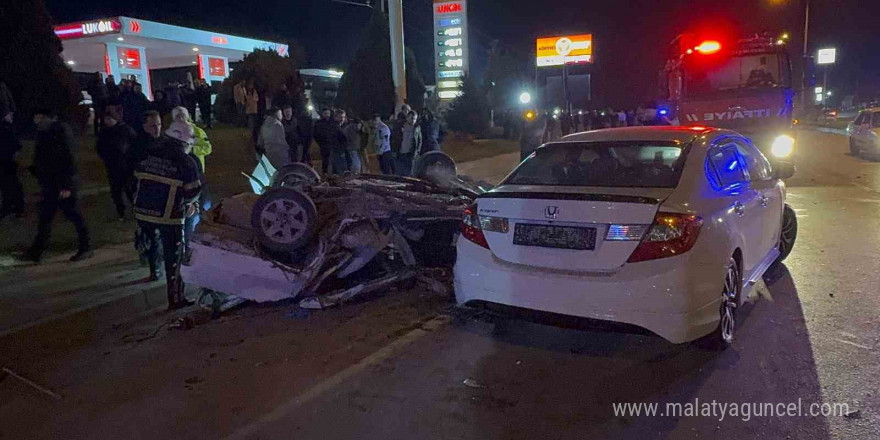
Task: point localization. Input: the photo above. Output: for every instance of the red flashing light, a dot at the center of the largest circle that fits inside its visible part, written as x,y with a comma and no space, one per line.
708,47
699,128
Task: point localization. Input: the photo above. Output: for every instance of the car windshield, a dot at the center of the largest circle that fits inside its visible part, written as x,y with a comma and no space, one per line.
607,164
742,72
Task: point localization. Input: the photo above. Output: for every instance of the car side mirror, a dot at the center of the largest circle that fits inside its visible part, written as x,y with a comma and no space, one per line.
783,170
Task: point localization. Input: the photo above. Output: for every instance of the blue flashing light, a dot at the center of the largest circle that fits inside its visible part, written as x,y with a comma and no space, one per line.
732,165
664,112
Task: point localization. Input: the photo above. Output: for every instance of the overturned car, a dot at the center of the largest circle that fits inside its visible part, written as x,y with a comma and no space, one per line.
328,240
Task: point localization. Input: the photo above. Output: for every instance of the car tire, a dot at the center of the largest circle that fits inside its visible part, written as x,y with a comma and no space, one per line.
788,233
435,166
295,175
283,219
722,336
853,148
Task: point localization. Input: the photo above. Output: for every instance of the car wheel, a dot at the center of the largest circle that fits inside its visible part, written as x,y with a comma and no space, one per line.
283,219
722,337
435,166
788,234
295,175
853,148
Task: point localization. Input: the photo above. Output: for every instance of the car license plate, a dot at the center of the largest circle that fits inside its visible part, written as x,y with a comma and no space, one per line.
560,237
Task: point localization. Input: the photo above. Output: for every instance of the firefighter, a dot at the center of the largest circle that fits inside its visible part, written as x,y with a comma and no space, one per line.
168,188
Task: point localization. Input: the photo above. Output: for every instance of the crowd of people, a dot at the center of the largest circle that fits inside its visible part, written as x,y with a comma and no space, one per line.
128,100
285,134
160,174
564,123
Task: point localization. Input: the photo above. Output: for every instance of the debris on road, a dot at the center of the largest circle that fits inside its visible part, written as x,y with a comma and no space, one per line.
471,383
329,241
9,373
856,414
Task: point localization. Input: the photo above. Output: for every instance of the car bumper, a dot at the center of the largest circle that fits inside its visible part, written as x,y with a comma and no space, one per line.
677,298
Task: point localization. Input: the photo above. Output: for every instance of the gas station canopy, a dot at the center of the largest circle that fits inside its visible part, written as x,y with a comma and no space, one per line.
130,47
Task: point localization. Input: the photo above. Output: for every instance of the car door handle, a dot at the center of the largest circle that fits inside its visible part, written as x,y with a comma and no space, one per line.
764,200
739,209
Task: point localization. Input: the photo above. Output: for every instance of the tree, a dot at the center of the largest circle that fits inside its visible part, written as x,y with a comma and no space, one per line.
268,70
469,112
32,66
505,77
366,87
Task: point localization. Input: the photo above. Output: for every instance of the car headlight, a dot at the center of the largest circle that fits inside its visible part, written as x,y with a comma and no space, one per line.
783,146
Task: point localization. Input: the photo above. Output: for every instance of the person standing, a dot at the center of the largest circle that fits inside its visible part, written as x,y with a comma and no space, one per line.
432,132
272,142
114,93
55,169
291,134
148,135
282,97
10,187
168,187
134,104
353,131
252,110
188,95
410,145
202,146
324,136
338,144
98,91
203,99
239,95
382,145
305,127
112,146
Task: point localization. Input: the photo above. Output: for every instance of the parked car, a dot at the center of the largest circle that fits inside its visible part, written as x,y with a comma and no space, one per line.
864,133
666,228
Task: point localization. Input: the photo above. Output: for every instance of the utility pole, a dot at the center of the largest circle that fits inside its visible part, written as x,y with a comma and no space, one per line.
804,83
398,61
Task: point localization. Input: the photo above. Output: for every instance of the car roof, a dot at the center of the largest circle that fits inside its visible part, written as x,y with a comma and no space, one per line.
665,133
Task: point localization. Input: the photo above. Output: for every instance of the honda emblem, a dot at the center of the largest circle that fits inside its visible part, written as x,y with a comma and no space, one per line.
551,212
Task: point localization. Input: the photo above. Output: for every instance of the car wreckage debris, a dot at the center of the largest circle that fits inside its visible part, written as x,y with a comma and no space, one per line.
327,242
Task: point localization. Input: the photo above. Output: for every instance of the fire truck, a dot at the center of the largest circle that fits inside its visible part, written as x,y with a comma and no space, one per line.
745,86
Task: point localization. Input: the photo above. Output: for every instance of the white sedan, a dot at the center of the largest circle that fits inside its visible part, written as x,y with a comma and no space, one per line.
864,133
666,228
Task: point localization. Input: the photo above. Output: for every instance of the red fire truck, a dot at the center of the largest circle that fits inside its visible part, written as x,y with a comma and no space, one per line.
743,85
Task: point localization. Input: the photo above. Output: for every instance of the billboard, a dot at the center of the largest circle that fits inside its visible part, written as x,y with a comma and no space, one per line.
558,51
450,47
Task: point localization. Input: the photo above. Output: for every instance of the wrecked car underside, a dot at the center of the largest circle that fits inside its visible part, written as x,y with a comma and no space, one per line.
327,241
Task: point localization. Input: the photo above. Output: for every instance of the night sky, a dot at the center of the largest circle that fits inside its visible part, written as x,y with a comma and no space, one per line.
630,36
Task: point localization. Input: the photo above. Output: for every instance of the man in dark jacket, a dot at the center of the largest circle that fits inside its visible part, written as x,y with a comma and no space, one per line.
55,169
432,132
134,104
291,133
305,127
203,99
168,187
112,146
98,91
325,133
10,186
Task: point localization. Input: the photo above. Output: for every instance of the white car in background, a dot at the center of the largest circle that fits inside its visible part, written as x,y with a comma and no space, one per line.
665,228
864,133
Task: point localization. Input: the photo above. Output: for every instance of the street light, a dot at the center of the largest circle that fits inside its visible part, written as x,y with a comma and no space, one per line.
525,97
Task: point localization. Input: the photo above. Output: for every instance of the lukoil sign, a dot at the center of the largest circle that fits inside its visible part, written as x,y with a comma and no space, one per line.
88,28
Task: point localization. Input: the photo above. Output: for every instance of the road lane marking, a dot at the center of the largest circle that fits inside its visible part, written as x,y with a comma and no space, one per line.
337,379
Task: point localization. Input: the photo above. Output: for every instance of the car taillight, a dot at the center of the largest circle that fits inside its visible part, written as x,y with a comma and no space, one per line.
470,227
671,234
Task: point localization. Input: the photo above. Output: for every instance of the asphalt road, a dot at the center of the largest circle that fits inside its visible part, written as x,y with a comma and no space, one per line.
395,367
811,336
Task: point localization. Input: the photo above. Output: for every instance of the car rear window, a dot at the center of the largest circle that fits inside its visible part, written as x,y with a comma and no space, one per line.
609,164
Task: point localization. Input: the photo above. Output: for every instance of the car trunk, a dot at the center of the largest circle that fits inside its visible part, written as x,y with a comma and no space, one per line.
566,228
